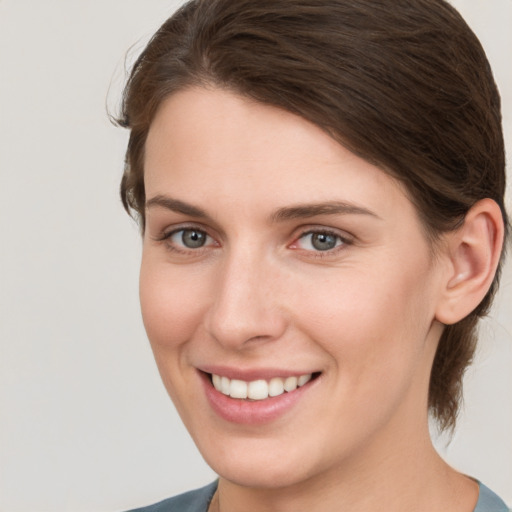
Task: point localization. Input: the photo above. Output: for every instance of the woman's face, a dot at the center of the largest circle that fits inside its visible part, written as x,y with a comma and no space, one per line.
272,253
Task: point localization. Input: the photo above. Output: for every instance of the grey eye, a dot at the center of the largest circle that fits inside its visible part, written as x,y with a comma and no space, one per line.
324,241
319,241
188,238
192,238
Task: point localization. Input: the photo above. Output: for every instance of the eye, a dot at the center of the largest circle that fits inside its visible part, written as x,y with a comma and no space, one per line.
319,241
188,238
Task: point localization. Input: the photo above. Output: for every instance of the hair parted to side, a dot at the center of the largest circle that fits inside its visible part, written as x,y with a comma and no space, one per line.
405,84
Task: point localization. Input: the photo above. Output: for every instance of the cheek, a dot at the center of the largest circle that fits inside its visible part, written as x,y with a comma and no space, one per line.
376,343
171,304
371,323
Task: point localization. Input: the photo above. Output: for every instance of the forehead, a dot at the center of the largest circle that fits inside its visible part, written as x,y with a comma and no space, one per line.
207,122
213,145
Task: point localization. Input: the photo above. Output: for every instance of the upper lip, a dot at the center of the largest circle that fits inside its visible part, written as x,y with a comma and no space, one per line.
251,374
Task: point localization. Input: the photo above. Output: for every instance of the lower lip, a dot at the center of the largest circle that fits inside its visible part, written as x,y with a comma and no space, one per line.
255,412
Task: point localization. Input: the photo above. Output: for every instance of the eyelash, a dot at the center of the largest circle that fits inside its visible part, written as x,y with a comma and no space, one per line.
341,241
167,237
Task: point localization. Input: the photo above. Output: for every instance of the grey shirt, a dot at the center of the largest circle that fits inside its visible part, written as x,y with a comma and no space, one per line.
199,500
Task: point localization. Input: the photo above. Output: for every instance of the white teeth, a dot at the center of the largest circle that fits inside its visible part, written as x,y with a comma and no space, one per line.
275,387
290,384
224,385
238,389
303,379
258,389
217,382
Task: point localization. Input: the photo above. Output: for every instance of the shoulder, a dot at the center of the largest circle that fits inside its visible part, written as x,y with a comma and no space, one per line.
488,501
192,501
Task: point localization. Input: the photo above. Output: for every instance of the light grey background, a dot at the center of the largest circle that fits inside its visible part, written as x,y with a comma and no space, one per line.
85,424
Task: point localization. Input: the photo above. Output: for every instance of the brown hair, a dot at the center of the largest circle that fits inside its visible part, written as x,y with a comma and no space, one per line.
404,84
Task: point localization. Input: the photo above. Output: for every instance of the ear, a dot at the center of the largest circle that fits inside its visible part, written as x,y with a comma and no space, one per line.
473,253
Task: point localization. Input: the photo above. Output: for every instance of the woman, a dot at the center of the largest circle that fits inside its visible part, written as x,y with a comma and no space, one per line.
320,188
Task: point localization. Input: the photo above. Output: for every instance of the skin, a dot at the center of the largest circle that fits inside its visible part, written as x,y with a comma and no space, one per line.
258,295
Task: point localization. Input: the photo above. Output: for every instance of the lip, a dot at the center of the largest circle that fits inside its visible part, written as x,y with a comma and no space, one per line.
249,375
256,412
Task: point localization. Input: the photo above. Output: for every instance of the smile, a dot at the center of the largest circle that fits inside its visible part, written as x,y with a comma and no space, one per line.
258,389
255,397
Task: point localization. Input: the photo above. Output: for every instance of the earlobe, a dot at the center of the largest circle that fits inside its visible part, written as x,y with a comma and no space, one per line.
474,252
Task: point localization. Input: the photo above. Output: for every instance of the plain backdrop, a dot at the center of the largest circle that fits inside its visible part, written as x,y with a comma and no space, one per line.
85,424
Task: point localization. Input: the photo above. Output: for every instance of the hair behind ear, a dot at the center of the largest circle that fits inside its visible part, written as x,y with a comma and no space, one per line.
475,250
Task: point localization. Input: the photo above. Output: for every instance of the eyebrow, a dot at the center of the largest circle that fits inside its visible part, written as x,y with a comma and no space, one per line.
176,205
300,211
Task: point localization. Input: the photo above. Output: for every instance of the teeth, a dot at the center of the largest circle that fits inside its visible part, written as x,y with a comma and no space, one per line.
258,389
238,389
275,387
217,382
290,384
303,379
224,385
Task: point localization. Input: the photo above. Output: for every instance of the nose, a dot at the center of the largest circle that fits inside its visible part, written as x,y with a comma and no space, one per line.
245,309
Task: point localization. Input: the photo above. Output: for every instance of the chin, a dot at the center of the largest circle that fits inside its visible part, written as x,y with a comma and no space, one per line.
259,464
263,476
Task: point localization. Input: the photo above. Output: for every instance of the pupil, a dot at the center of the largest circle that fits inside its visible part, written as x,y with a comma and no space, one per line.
323,241
193,239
